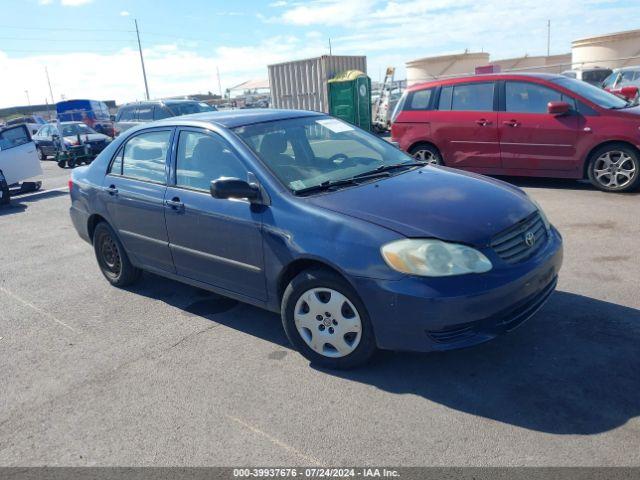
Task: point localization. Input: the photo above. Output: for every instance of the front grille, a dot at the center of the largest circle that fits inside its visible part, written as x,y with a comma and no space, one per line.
511,244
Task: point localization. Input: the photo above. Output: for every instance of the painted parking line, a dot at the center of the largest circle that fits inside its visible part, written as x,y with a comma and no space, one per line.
303,456
30,305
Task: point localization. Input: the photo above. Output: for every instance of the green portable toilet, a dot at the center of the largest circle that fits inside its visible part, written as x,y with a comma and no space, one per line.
350,98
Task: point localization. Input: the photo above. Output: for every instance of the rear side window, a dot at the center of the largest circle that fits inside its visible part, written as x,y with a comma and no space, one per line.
14,137
145,113
143,157
126,114
160,112
419,100
525,97
476,97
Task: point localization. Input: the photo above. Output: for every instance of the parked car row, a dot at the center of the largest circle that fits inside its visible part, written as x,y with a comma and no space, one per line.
49,139
539,125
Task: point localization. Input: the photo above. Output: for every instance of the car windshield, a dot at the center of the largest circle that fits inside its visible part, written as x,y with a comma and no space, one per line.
313,151
187,108
75,129
596,95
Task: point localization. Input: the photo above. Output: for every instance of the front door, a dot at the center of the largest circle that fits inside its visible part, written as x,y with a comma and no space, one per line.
18,156
215,241
531,138
133,192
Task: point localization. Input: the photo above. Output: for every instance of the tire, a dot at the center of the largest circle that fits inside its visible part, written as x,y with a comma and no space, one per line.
331,306
41,154
427,153
112,258
62,163
614,168
30,187
5,194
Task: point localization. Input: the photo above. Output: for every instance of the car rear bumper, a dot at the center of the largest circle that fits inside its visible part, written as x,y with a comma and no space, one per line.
431,314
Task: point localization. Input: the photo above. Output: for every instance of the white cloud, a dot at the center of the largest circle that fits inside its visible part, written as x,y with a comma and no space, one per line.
45,2
171,70
124,13
278,3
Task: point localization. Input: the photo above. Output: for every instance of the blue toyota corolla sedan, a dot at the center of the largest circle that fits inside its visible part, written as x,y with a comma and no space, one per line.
354,243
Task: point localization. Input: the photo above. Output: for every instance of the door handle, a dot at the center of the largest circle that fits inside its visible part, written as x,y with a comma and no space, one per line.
112,190
511,123
174,204
483,122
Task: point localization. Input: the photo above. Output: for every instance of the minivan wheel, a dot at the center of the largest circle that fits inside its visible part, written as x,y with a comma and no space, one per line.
615,168
326,321
112,258
427,153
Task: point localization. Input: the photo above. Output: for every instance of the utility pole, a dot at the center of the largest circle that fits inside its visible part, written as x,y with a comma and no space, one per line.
219,84
548,37
329,46
49,82
144,72
28,99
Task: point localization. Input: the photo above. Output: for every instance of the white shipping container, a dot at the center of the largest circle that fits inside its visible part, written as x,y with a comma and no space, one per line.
302,84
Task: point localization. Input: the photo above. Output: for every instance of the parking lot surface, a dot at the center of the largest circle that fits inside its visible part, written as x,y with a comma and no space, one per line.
166,374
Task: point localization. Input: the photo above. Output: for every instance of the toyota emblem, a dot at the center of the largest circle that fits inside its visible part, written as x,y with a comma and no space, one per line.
529,239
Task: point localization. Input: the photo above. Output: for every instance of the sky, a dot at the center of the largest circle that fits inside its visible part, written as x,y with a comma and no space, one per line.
90,50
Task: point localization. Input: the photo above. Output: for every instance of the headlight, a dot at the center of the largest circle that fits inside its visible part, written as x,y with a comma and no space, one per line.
434,258
545,220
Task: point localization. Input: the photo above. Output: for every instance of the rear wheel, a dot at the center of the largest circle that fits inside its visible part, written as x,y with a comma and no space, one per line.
326,321
427,153
112,258
41,154
614,168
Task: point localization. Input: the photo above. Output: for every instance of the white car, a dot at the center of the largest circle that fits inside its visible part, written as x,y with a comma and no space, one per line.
18,161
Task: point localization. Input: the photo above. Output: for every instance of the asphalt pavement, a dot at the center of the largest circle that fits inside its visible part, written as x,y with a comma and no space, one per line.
166,374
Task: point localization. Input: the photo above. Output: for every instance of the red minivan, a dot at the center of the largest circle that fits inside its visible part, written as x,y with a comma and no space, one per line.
540,125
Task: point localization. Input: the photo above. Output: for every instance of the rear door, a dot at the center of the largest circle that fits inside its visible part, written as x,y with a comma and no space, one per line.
531,138
133,191
19,159
464,126
215,241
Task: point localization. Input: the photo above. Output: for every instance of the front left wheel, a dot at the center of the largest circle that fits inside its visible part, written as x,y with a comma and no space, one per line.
326,321
112,258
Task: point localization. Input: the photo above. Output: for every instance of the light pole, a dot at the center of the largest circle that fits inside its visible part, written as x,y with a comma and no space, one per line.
144,72
28,99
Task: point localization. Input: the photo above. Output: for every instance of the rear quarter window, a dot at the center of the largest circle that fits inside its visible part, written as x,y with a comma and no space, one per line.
419,100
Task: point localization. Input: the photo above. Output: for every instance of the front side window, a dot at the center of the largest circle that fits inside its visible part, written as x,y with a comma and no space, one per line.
204,157
310,151
477,97
160,112
126,114
610,81
525,97
627,78
594,94
14,137
144,156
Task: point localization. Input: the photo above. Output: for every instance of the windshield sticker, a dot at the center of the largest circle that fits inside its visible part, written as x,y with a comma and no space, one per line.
334,125
297,185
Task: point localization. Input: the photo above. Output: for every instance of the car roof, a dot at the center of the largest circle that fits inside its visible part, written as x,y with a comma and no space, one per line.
484,76
239,118
160,102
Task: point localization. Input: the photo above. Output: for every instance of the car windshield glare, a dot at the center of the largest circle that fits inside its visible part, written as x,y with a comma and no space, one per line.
75,129
310,151
596,95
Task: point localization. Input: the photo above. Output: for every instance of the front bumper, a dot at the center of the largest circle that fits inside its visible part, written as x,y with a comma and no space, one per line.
430,314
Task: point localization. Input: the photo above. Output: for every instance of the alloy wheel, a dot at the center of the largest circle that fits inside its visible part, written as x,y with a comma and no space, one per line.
426,156
614,169
328,322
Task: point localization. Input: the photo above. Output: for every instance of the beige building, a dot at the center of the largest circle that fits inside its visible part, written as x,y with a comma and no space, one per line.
430,68
611,50
541,63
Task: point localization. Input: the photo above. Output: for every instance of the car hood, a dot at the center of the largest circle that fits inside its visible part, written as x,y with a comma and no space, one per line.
434,202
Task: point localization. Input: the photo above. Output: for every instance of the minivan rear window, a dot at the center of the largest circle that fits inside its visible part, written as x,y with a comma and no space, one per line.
419,100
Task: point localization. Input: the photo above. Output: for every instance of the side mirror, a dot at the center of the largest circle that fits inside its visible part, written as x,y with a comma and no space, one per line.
558,108
234,188
630,93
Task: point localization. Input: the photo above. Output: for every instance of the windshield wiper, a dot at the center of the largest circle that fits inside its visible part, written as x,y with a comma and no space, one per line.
387,168
327,185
